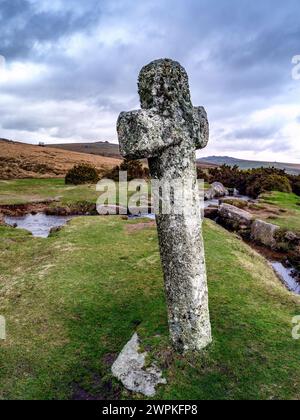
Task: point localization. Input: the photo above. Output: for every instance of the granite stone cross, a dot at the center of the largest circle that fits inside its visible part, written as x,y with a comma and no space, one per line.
167,131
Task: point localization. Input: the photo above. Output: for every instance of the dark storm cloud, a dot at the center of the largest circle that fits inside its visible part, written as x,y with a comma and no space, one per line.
238,55
23,25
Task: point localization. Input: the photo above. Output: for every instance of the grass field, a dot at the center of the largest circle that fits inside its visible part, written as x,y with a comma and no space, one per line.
73,300
290,203
22,191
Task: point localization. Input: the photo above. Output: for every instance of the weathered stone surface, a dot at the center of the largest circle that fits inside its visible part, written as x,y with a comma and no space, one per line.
129,369
234,201
264,233
292,238
167,131
234,217
211,212
217,190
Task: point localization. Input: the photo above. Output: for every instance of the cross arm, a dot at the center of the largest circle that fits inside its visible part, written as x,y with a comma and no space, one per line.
201,127
143,134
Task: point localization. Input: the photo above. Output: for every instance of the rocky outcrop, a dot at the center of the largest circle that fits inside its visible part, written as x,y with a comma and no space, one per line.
264,233
216,190
130,369
234,218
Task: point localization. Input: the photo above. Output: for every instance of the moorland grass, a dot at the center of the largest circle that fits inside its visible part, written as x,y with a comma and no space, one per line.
73,300
290,203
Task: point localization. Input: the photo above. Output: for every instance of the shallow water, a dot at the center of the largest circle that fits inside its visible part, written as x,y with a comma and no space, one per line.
286,276
39,224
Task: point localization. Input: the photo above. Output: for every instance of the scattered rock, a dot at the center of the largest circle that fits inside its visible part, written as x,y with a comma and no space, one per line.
264,233
211,212
129,369
234,218
55,230
292,237
217,190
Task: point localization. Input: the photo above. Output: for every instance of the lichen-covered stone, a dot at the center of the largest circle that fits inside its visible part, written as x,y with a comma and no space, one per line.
167,131
216,190
234,218
264,233
211,212
130,369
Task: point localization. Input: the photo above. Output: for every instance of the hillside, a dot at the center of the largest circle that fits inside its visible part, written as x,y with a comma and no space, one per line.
98,148
20,160
248,164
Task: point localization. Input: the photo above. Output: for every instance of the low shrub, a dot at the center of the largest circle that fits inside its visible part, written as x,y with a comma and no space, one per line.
134,169
82,174
296,187
252,182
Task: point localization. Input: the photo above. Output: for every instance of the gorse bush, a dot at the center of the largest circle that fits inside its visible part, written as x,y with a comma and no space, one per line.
253,182
82,174
134,169
295,183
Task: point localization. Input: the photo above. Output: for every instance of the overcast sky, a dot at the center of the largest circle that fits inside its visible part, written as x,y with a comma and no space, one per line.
71,67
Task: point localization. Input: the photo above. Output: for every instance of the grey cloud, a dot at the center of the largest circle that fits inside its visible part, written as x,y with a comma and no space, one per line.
254,133
23,25
238,55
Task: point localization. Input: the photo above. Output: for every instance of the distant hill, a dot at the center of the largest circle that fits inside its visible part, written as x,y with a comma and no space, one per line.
21,160
291,168
99,148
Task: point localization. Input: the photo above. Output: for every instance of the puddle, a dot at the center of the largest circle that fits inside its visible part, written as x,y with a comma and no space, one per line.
39,224
287,276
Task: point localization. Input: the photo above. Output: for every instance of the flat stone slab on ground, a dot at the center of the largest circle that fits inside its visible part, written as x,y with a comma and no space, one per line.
129,368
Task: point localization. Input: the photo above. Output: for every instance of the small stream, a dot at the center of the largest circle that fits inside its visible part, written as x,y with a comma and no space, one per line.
287,276
39,224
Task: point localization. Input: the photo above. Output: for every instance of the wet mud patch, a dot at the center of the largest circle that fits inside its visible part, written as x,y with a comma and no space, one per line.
99,390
